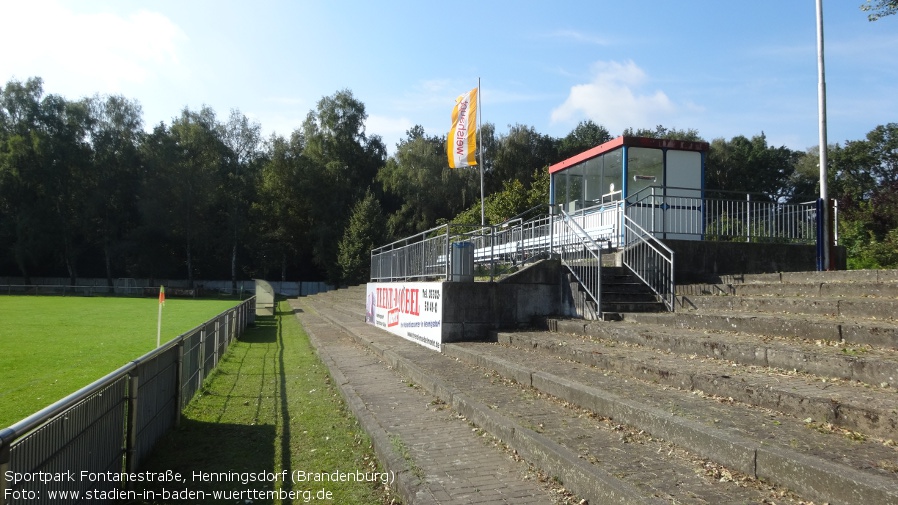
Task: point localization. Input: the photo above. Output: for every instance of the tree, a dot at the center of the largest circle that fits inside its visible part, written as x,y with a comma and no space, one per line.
804,183
346,161
864,175
519,153
662,132
243,138
65,163
423,186
879,8
44,161
283,208
364,232
861,167
512,201
750,165
23,220
115,136
186,165
583,137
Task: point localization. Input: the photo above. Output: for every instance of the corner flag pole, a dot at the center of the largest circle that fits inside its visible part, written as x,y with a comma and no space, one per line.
480,147
159,320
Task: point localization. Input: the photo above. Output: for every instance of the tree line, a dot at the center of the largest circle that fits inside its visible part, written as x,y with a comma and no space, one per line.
87,191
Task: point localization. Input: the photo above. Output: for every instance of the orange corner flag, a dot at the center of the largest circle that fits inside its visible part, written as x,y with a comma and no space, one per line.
162,295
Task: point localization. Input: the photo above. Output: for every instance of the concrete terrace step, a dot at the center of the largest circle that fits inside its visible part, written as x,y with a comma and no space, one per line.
821,289
846,404
862,332
876,367
600,460
803,455
836,276
862,308
615,438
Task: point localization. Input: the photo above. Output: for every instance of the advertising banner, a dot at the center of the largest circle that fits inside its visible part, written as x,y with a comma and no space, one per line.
412,310
461,144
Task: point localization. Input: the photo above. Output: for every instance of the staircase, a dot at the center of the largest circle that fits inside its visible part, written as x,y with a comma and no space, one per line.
759,389
624,292
621,292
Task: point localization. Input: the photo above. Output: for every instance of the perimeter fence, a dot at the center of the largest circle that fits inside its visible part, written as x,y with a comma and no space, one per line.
91,441
62,286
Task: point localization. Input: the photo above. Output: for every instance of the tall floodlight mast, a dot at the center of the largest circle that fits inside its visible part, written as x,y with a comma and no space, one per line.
823,228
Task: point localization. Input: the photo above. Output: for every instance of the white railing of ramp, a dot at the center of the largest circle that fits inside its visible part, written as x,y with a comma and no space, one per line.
581,255
650,260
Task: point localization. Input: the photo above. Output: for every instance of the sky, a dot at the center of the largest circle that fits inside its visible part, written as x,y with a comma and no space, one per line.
723,68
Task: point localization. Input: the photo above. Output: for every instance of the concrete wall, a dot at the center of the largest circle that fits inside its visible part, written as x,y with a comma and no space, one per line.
472,309
705,261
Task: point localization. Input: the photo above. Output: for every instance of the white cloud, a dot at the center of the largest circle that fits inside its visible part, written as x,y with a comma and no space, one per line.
101,51
615,99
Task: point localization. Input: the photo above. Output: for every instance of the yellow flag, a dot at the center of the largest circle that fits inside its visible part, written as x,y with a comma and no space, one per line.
462,142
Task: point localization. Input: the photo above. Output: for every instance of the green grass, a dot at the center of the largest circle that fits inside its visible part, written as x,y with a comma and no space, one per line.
270,406
53,346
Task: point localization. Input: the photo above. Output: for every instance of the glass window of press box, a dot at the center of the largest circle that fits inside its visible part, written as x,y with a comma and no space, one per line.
629,168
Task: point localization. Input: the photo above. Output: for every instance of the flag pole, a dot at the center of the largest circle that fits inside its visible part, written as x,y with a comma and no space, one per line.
159,319
480,146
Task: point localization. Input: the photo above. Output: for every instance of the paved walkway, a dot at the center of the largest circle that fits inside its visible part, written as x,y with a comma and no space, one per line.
438,456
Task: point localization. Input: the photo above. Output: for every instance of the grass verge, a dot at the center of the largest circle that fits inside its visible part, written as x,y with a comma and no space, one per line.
271,406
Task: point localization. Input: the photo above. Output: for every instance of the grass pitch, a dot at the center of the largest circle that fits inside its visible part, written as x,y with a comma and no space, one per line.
53,346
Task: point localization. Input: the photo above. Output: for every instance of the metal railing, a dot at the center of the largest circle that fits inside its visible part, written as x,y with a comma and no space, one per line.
636,226
419,257
581,255
519,240
112,424
427,255
55,286
650,260
679,213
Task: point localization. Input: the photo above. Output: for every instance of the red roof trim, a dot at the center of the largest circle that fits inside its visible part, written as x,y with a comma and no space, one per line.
679,145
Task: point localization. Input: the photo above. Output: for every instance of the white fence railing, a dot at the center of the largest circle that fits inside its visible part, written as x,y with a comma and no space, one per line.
650,260
674,213
581,255
636,226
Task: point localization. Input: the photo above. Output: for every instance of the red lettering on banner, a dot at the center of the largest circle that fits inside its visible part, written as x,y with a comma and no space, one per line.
461,130
411,302
406,301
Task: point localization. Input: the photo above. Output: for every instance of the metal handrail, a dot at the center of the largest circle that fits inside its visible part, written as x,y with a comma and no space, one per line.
582,256
650,260
674,212
426,255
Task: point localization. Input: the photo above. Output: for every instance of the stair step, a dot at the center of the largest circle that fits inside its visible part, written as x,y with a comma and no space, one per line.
878,334
637,405
603,458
